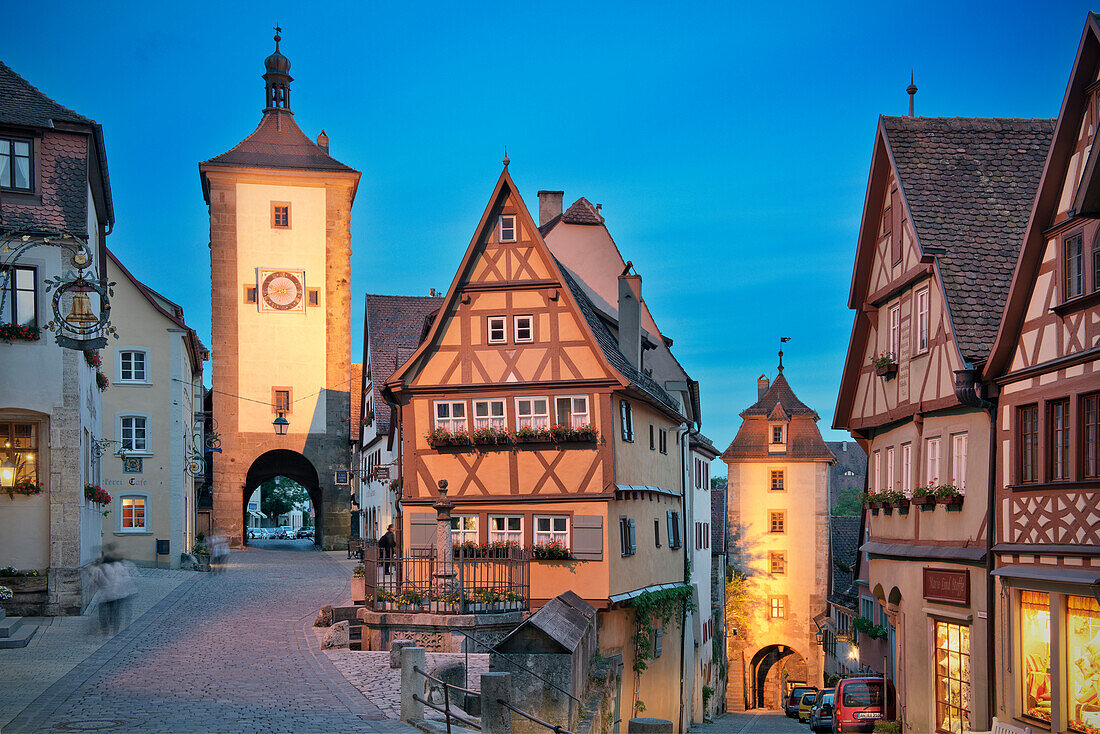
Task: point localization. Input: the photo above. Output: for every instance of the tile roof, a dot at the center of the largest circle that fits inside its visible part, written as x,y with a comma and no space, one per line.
278,142
355,389
719,521
779,394
394,328
849,458
23,104
970,184
582,212
843,546
610,346
804,442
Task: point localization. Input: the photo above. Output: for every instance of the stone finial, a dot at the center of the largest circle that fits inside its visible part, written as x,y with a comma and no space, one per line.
912,90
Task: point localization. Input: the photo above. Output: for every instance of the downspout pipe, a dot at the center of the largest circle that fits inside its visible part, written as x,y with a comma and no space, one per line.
682,437
973,393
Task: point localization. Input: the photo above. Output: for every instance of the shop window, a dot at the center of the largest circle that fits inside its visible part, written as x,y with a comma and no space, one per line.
1083,663
19,446
1035,654
133,513
952,677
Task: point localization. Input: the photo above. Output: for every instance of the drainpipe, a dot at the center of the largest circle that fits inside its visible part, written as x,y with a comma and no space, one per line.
972,392
682,435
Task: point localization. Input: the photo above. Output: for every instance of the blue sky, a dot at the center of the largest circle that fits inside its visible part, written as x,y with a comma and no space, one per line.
728,143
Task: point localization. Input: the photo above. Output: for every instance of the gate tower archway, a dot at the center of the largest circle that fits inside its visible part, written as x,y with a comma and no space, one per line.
297,468
770,669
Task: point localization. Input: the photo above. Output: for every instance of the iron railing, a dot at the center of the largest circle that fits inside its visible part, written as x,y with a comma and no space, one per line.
446,710
556,728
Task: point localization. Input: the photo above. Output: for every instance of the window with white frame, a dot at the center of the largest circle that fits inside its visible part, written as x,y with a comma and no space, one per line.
550,528
133,433
777,433
895,331
525,329
506,529
532,413
932,464
132,365
450,415
572,411
958,460
890,481
21,298
923,320
907,466
507,227
498,329
489,414
463,529
133,513
876,471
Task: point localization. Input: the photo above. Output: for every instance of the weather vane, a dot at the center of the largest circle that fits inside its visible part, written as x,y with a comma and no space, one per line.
782,340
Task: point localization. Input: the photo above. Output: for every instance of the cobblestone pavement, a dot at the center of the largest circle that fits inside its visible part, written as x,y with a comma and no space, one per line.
229,652
371,674
758,721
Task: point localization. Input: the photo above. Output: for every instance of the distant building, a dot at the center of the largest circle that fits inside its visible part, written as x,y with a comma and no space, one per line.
850,470
778,505
839,638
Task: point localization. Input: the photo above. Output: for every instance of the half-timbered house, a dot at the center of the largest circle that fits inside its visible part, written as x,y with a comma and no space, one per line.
945,209
532,410
1044,370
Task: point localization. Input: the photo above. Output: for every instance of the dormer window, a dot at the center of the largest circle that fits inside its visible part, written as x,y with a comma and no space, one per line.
777,435
508,228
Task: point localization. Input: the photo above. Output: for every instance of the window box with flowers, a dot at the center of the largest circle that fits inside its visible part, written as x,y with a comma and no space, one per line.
442,437
871,500
14,332
526,434
95,493
924,496
25,487
893,498
886,364
568,434
949,495
555,550
368,419
491,437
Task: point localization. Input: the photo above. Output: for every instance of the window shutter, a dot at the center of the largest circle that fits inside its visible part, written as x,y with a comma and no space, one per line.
421,530
633,545
588,537
671,529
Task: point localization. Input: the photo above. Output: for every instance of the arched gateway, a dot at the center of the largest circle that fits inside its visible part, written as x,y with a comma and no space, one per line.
280,266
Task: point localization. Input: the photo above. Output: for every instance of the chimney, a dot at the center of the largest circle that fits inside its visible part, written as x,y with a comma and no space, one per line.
549,205
844,446
762,385
630,316
322,141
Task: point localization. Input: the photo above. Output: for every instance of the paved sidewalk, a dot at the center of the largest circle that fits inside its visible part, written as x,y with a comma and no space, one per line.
751,722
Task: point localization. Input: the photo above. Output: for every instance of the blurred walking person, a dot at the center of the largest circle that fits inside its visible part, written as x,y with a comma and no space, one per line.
114,588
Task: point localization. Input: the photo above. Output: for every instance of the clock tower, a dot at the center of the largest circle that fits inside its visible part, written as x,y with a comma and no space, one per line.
280,262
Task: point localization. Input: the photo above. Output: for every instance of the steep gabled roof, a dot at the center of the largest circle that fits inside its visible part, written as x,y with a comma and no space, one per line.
278,142
804,442
843,547
582,212
779,394
969,184
394,328
26,106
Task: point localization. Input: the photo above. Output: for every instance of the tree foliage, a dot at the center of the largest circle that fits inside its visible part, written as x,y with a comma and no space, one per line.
848,503
279,499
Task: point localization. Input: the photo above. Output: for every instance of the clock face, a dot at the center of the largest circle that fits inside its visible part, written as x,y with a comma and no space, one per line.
281,290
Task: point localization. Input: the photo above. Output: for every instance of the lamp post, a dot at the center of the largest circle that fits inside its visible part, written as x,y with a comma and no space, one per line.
281,424
7,474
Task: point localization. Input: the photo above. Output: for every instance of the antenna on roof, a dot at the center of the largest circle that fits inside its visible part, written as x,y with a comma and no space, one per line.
505,161
782,340
912,90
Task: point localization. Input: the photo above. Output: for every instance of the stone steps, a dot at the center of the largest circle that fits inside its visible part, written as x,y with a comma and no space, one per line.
13,634
8,626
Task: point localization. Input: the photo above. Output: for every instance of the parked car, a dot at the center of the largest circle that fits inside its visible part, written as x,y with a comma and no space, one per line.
821,714
303,533
860,702
805,705
794,698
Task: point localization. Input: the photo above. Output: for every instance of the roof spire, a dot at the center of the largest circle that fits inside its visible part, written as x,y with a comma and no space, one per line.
782,340
505,160
912,90
277,77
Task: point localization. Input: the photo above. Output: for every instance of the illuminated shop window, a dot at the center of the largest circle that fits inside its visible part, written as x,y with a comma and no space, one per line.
1035,653
952,677
1083,656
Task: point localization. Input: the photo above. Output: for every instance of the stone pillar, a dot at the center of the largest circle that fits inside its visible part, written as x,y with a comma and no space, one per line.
444,547
649,726
412,683
495,718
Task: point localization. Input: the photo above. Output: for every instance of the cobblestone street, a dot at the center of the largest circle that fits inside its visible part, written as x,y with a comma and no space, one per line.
230,652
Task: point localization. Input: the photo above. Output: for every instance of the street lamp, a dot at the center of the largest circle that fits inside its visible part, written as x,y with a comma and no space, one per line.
281,424
7,474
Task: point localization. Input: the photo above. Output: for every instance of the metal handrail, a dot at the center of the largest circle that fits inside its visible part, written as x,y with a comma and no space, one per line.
448,714
556,728
519,665
442,682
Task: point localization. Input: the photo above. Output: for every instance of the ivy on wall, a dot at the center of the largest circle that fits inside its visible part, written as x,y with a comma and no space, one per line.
651,608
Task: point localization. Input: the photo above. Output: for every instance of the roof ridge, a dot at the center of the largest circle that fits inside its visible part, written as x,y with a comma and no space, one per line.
43,95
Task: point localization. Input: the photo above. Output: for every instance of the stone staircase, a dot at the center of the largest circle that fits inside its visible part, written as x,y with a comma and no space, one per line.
735,688
12,632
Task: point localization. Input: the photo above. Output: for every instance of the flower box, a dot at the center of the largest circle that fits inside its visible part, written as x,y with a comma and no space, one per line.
490,437
925,503
887,370
953,504
902,506
532,435
95,493
25,487
14,332
440,438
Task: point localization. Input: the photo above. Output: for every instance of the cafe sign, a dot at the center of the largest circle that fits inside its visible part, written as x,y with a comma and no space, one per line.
947,586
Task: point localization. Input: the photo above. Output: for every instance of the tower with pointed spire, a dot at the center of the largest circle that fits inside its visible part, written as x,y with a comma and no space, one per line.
911,90
280,261
778,515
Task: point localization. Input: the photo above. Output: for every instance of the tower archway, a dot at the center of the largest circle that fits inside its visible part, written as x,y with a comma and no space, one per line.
293,466
771,669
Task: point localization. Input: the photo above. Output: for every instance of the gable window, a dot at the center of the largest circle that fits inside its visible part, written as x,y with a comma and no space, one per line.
626,420
1058,438
923,320
673,521
627,544
21,300
662,436
1027,442
549,529
932,467
777,562
133,433
506,529
508,228
532,413
895,331
1090,435
958,460
19,446
451,415
132,365
777,434
15,164
133,513
778,607
777,480
572,411
489,414
1073,251
464,529
777,521
497,331
525,330
280,215
281,399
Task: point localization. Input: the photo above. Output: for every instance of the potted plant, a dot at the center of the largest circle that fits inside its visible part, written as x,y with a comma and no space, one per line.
359,584
555,550
886,364
892,498
410,600
526,434
95,493
101,381
26,487
924,496
490,436
950,495
368,419
201,551
91,356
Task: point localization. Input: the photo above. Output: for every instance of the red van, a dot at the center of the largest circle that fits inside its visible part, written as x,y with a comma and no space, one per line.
860,702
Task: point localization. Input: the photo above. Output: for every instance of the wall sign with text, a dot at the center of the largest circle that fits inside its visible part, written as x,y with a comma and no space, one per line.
946,585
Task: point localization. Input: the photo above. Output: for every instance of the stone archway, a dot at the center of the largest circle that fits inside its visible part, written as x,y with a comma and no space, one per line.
770,670
293,466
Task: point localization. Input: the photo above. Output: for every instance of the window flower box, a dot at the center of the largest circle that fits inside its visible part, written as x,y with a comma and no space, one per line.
555,550
95,493
491,437
441,437
15,332
532,435
368,419
924,503
567,434
25,487
886,364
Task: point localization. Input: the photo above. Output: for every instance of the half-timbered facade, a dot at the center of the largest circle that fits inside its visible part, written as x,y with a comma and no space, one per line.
1045,371
536,415
946,205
